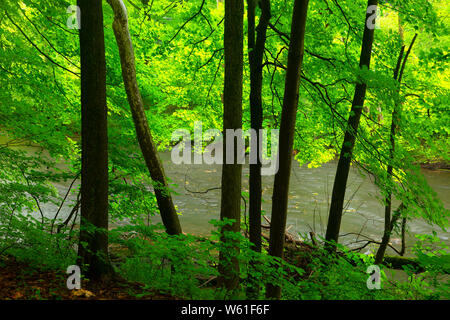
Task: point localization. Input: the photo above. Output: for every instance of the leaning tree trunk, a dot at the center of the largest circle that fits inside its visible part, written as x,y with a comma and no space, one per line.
345,158
388,224
165,204
232,119
287,127
256,53
93,248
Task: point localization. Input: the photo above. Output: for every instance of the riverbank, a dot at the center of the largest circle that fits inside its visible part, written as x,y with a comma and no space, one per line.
435,166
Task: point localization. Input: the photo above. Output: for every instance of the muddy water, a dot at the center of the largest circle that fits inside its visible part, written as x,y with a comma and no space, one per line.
309,196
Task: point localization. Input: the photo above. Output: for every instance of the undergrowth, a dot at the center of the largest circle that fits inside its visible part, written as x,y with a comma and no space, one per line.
185,266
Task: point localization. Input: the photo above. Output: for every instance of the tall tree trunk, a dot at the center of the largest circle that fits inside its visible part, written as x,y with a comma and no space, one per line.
232,119
165,204
93,248
388,224
403,232
403,249
287,127
345,158
256,53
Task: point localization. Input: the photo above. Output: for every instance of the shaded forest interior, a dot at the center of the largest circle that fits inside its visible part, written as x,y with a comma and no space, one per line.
95,93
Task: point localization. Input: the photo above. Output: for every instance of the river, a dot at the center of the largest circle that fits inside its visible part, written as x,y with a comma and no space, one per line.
309,195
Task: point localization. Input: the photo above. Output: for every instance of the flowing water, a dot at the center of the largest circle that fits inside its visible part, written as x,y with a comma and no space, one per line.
309,196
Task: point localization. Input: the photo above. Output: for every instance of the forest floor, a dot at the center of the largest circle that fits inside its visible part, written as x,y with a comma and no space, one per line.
21,281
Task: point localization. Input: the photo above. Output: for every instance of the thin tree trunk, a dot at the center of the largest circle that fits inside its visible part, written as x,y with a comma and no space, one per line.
402,251
256,53
232,119
93,248
287,127
388,224
385,241
165,204
387,209
343,168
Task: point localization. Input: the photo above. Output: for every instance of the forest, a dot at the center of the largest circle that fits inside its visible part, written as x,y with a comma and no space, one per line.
224,150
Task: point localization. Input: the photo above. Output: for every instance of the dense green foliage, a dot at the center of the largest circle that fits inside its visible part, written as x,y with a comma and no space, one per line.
179,61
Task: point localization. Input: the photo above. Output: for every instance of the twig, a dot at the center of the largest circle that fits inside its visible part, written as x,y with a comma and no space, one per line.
63,201
37,48
188,20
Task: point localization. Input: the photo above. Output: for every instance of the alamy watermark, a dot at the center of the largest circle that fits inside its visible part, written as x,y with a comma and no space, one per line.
235,147
373,21
375,13
74,21
74,279
374,280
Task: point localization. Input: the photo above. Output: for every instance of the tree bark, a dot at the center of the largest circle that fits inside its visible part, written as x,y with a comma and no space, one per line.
287,127
343,168
403,249
256,53
232,119
387,234
127,60
93,248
